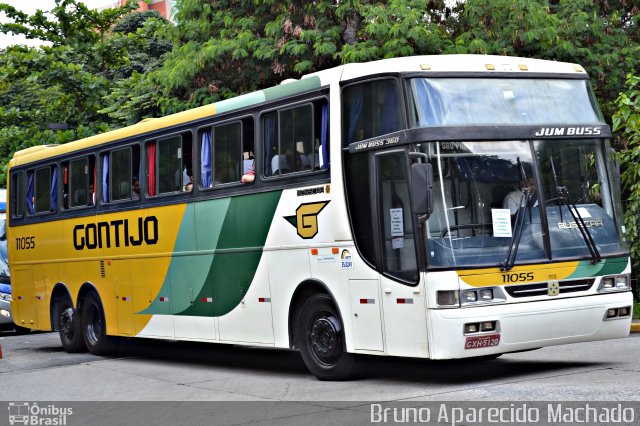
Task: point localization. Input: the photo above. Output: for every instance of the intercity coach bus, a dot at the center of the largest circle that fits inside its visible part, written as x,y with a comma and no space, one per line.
433,207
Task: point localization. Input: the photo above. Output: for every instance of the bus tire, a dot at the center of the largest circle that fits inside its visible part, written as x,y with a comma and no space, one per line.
320,337
94,327
70,328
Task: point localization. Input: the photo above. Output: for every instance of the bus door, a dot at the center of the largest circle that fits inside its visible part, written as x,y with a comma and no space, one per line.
121,278
403,297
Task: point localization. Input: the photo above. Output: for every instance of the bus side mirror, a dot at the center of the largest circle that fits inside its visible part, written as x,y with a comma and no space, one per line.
422,190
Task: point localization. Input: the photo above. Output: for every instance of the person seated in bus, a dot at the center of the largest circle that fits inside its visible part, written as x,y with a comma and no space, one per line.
250,175
514,199
135,194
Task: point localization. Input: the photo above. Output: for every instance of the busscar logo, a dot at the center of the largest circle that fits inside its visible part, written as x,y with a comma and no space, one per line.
306,219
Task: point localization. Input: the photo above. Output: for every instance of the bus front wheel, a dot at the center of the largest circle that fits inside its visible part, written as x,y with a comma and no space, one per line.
320,336
94,327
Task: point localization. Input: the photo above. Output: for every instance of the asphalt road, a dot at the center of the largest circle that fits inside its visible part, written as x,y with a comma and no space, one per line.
35,368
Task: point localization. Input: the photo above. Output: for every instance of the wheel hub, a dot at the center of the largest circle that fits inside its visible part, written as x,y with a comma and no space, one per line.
324,337
66,322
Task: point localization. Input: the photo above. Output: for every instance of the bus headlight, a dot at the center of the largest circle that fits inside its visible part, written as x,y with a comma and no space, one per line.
472,297
486,294
469,296
5,296
614,283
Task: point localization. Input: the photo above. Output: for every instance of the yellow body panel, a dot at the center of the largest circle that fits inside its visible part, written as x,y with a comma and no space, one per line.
519,274
123,272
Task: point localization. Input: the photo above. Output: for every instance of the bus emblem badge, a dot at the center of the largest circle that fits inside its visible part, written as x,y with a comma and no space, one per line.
553,288
306,219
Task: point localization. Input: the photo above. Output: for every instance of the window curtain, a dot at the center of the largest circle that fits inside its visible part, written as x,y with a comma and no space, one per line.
428,107
324,153
151,167
29,197
54,189
355,113
270,123
205,160
390,111
105,178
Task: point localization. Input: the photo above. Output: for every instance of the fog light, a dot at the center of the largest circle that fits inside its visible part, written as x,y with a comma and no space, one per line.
486,294
447,298
624,312
621,281
607,283
612,313
488,326
471,328
5,313
469,296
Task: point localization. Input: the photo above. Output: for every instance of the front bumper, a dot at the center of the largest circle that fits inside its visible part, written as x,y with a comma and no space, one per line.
523,326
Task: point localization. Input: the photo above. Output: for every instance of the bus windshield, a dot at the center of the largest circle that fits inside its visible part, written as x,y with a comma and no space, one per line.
500,102
481,187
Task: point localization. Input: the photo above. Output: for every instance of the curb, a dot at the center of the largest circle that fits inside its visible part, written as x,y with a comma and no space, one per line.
635,327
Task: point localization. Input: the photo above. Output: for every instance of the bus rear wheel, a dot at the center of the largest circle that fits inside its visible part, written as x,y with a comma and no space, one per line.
94,327
70,329
320,336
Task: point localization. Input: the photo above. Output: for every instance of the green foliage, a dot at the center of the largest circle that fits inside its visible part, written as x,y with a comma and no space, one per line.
73,76
627,121
226,48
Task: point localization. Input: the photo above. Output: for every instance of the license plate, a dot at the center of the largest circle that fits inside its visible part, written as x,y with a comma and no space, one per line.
477,342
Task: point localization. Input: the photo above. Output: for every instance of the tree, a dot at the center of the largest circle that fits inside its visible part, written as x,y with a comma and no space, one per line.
67,78
627,121
226,48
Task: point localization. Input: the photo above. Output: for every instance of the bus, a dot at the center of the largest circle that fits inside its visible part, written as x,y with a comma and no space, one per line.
434,207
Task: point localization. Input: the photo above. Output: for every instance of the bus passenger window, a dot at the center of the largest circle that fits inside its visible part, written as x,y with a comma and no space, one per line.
296,139
44,192
78,182
227,153
170,164
119,169
17,194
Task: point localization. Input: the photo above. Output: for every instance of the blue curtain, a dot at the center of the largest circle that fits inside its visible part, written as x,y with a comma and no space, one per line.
323,137
270,123
105,178
205,160
389,122
428,105
29,197
355,113
54,189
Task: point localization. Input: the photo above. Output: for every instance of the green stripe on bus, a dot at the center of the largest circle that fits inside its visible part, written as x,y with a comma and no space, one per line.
604,267
241,241
235,230
288,89
240,102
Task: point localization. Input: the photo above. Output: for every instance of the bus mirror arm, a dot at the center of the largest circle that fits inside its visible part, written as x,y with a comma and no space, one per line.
422,190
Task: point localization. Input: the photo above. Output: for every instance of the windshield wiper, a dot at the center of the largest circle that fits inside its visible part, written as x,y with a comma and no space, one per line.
510,260
564,198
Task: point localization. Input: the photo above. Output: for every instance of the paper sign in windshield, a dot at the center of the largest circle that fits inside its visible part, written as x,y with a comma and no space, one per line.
501,220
